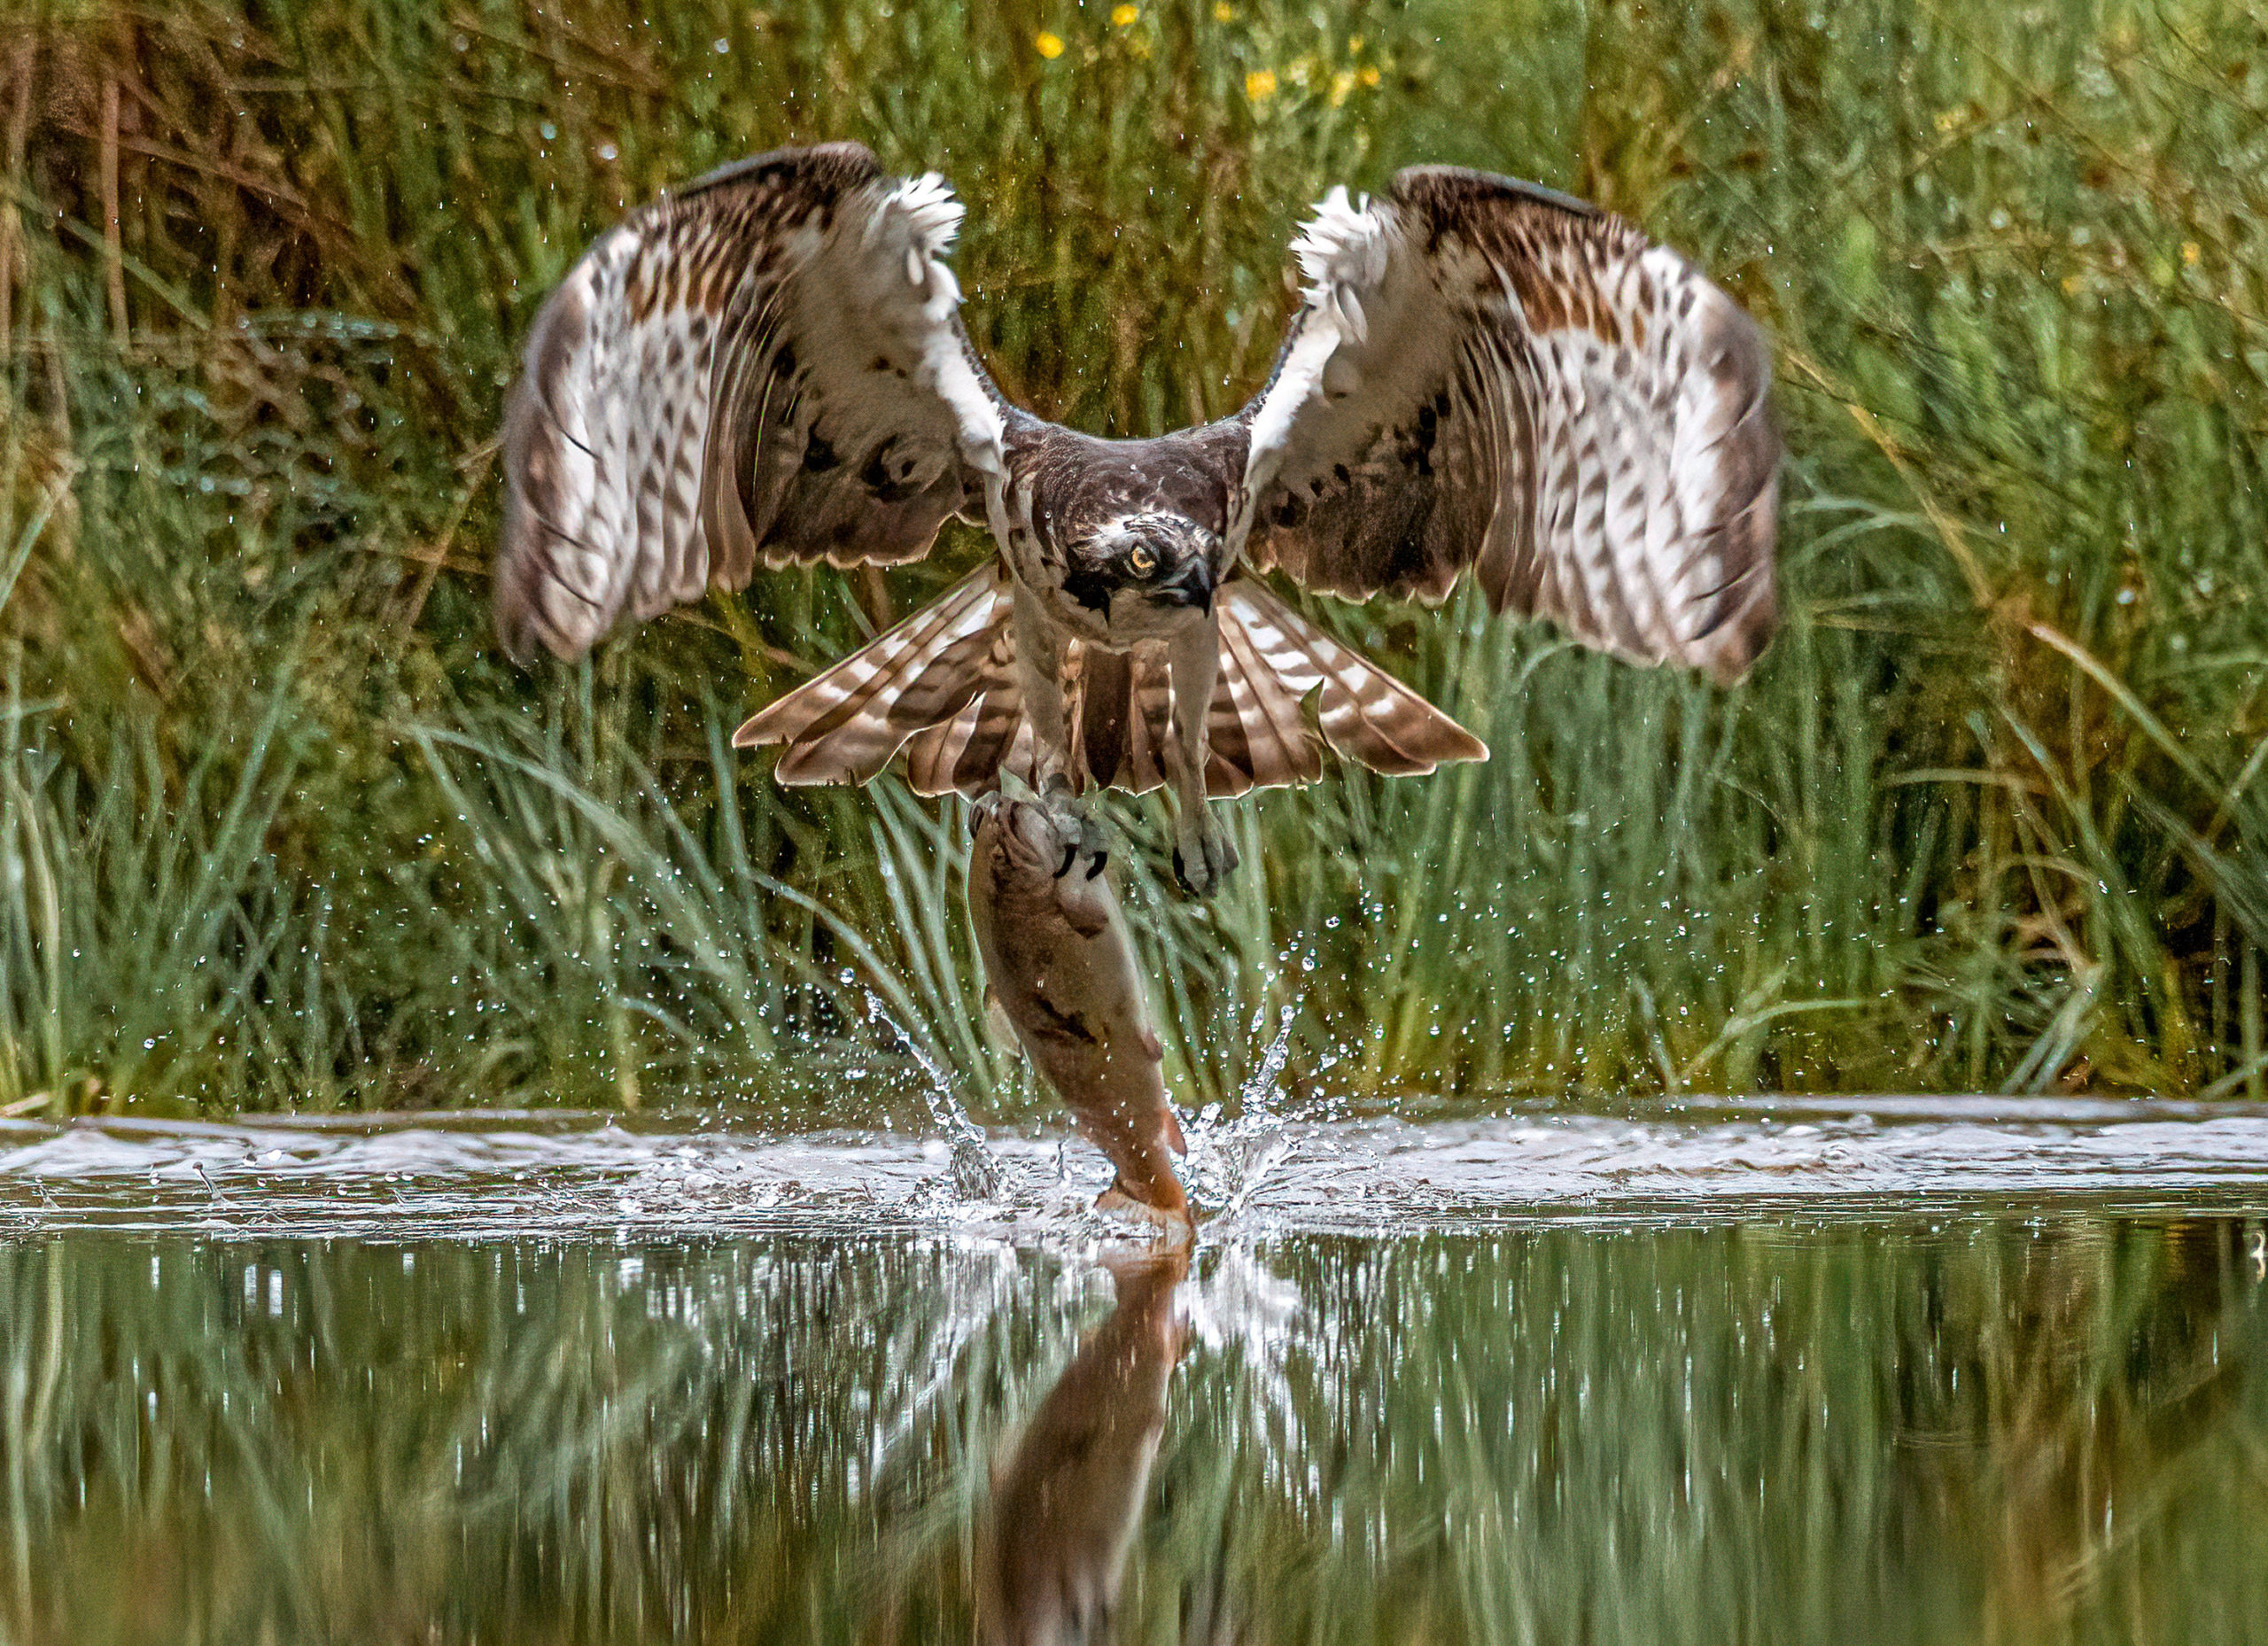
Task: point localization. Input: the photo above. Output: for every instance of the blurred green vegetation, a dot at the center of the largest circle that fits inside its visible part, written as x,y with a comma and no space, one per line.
2046,1427
281,826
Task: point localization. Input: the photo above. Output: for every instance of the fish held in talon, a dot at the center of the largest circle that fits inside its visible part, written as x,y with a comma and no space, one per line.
1067,1499
1060,972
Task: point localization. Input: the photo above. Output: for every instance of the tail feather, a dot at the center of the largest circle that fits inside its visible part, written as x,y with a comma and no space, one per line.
966,752
1152,724
844,725
1256,722
1365,714
1104,717
943,687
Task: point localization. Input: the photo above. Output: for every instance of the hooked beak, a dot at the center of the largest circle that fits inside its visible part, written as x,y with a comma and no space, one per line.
1193,587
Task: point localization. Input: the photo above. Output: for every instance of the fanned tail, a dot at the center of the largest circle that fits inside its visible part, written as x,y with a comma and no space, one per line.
845,725
1272,653
943,687
966,752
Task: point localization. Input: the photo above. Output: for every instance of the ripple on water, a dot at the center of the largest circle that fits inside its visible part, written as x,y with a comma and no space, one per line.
522,1174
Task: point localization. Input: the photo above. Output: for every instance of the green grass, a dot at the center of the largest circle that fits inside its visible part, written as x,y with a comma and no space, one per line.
282,828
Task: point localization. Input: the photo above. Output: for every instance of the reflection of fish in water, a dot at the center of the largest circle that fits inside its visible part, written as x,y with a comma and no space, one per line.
1066,1503
1061,971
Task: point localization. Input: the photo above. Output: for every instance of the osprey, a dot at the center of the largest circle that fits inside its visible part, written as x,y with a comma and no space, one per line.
1484,378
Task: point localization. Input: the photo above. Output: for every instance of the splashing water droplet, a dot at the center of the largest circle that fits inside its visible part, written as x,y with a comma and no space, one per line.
976,1175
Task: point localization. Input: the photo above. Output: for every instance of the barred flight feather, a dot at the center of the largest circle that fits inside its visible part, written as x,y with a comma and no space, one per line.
1364,714
845,725
1490,378
767,365
942,688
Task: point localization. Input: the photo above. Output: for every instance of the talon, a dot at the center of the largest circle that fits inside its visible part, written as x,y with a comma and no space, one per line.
1207,862
1071,856
1221,856
1095,868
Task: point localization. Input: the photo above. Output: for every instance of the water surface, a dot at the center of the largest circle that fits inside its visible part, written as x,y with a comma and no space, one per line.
1904,1373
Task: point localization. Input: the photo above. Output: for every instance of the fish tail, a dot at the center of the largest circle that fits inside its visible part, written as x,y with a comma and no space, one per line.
1166,1205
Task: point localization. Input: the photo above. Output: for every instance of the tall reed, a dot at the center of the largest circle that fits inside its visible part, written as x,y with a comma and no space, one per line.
1991,813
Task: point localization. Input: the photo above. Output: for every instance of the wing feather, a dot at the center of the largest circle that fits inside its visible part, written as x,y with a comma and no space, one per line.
1490,378
768,365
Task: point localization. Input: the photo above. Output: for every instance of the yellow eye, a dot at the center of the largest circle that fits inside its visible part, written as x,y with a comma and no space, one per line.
1142,561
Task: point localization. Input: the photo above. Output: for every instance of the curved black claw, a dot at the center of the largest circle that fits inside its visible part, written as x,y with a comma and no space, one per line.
1094,839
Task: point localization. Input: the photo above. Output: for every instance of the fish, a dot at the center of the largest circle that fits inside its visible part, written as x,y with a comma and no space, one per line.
1061,971
1067,1502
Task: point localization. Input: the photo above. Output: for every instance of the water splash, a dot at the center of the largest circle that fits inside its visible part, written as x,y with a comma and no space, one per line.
568,1175
1261,1088
976,1174
1228,1160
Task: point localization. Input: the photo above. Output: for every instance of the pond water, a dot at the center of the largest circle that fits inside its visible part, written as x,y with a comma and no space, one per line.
1906,1370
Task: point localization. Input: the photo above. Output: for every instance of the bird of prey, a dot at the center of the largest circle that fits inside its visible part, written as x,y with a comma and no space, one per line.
1484,377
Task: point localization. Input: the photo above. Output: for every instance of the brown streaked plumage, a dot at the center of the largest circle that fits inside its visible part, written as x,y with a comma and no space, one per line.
747,369
942,688
1489,378
1057,962
1484,379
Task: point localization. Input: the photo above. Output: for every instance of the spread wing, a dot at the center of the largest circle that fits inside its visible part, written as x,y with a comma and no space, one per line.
1488,376
767,365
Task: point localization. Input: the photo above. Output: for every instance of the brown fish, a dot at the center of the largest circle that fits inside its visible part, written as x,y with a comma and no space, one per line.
1067,1502
1061,972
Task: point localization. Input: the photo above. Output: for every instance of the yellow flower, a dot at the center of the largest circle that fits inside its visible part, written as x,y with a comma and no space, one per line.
1370,74
1123,16
1341,83
1260,83
2191,252
1223,12
1049,46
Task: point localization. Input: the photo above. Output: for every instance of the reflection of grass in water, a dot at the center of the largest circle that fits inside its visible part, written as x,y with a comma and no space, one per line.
1753,1434
1775,1432
1991,813
468,1437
